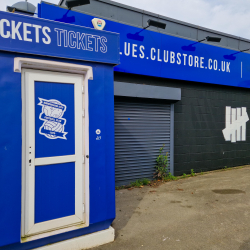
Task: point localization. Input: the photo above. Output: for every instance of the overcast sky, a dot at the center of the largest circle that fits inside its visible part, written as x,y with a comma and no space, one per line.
229,16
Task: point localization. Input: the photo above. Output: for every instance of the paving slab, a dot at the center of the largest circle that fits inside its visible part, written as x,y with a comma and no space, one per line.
210,212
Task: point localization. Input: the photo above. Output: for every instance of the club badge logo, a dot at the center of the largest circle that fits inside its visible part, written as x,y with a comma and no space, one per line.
98,24
51,115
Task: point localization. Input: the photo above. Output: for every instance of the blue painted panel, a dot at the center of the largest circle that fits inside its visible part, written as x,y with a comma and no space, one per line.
146,52
32,35
101,155
102,190
54,191
54,119
10,152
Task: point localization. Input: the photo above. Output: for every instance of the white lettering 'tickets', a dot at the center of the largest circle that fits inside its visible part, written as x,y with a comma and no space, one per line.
12,29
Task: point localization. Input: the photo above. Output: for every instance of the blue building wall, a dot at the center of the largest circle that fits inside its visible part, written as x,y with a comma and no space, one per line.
101,153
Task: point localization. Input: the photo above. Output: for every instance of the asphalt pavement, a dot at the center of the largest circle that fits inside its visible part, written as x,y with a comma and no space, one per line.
210,212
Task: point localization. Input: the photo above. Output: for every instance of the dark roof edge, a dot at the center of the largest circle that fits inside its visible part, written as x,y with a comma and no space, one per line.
168,19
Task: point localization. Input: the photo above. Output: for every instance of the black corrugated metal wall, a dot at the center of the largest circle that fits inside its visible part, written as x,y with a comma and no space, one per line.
141,128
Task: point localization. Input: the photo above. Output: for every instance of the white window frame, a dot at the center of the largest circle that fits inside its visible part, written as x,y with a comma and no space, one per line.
87,73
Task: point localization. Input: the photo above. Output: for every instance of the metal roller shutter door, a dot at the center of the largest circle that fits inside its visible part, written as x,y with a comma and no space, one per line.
141,128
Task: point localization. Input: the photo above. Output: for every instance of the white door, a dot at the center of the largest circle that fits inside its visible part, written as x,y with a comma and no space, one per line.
53,146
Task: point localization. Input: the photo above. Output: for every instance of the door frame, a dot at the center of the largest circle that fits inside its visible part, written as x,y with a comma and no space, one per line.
30,77
21,64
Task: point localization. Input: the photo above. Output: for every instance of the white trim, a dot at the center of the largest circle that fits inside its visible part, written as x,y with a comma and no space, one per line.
83,242
31,76
54,160
86,149
241,69
30,155
20,62
51,233
57,224
79,123
88,74
23,152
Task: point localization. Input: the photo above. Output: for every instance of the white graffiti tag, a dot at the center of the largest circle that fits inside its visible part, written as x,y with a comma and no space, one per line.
236,119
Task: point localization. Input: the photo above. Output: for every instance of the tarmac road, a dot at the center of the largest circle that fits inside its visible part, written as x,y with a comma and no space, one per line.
210,212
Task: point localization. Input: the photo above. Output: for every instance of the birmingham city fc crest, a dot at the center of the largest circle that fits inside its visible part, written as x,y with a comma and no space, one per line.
52,117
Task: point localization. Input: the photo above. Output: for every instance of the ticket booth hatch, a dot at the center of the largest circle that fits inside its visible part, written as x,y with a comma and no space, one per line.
57,157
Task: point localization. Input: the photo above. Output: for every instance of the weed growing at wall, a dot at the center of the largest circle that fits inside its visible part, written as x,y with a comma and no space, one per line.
169,177
192,172
162,165
140,183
